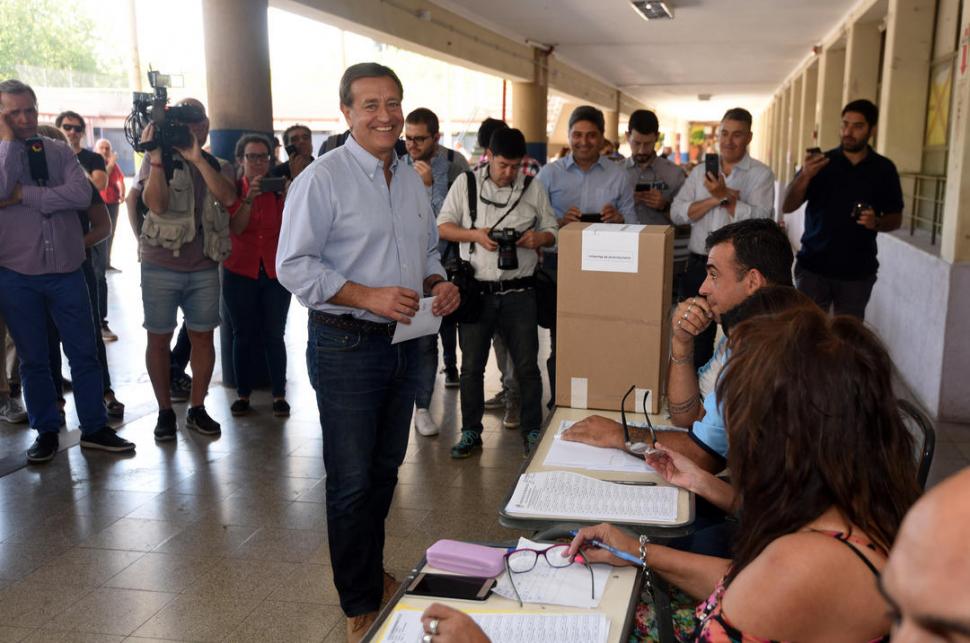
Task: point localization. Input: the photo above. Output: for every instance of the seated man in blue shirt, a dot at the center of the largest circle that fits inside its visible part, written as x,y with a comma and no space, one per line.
743,257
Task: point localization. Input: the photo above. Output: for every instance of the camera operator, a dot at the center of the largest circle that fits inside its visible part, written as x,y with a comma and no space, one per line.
298,143
184,236
256,302
504,260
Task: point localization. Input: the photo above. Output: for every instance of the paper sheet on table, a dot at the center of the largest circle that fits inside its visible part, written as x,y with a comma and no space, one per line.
423,323
404,626
564,494
575,455
569,586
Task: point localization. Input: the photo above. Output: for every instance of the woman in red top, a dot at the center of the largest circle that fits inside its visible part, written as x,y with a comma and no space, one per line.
256,302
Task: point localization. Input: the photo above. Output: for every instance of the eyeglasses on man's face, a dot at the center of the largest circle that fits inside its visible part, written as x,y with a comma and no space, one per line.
418,140
256,158
520,561
68,127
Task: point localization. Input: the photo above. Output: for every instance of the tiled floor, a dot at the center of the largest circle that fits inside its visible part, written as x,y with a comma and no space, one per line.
225,539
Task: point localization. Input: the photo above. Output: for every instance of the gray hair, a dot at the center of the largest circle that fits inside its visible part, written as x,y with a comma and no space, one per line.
14,86
365,70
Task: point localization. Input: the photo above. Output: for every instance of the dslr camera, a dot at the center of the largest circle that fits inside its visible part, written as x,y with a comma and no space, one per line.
506,238
170,122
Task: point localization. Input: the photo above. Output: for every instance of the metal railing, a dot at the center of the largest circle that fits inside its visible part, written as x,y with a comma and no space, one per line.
925,202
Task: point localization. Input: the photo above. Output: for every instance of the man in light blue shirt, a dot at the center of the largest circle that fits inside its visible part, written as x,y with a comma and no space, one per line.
584,185
359,246
438,168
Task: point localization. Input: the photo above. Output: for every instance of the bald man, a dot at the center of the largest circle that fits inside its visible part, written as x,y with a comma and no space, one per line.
927,578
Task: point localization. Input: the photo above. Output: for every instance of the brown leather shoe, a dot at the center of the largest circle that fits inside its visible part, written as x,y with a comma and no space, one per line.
391,585
358,625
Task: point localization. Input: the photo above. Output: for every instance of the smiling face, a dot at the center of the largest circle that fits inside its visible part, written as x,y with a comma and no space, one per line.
375,116
585,141
733,139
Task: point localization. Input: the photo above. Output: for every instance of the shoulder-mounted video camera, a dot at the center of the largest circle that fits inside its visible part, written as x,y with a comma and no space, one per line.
171,129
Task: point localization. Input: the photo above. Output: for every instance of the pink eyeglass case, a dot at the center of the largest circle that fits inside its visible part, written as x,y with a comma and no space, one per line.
466,558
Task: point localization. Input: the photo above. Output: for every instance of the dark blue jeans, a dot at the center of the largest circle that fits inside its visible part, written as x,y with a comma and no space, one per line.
365,394
513,316
427,369
24,302
257,309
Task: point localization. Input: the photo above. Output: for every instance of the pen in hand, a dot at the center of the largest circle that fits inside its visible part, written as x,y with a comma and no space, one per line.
630,558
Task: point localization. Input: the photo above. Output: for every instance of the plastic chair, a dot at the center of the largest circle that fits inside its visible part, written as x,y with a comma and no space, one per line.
924,437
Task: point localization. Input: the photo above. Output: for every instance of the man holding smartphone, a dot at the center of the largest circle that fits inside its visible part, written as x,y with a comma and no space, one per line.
298,143
853,193
742,188
655,180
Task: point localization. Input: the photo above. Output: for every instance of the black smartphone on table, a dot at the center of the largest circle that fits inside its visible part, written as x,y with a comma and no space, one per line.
712,165
467,588
591,217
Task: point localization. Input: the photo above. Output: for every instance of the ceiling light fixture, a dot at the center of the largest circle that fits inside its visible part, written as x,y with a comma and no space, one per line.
653,9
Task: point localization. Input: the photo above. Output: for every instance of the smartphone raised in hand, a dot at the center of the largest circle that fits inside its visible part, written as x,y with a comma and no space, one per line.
272,184
712,165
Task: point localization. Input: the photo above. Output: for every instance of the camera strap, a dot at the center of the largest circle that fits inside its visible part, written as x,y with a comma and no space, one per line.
525,187
472,202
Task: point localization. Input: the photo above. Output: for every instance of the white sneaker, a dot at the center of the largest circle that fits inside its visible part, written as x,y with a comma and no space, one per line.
424,424
12,411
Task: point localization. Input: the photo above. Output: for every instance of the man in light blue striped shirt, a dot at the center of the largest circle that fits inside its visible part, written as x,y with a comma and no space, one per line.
358,246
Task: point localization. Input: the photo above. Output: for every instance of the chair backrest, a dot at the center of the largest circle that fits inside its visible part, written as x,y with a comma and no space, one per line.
924,437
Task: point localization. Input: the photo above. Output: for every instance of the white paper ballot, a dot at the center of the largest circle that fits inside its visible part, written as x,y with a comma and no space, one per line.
563,494
576,455
608,247
571,586
423,323
404,626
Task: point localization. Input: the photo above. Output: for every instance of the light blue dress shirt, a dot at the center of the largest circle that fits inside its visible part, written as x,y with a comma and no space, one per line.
342,222
710,430
605,182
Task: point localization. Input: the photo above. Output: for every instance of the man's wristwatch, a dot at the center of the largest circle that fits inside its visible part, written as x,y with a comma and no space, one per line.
644,541
725,202
430,287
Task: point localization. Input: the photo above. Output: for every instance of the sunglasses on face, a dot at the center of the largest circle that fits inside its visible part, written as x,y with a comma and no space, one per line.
72,128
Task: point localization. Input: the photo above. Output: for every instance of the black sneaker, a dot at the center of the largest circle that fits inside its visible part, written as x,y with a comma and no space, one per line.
198,420
180,388
166,425
106,440
451,378
239,407
531,441
43,449
281,408
469,441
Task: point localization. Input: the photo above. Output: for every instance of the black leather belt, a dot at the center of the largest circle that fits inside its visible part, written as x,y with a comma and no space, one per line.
498,287
351,323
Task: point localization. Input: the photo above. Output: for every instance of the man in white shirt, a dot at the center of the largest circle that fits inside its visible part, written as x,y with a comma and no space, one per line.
507,205
743,189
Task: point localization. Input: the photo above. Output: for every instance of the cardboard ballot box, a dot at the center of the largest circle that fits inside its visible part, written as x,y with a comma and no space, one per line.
612,323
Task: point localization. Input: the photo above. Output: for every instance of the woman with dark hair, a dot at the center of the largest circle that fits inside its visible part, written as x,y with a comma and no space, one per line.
256,301
822,473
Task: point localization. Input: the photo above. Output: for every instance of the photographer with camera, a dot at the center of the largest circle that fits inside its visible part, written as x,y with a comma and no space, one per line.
42,187
256,301
500,219
184,236
298,143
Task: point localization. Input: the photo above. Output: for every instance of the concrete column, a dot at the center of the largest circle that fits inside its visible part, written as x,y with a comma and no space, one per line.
905,81
237,71
794,109
861,62
612,120
828,106
806,123
529,107
781,143
955,241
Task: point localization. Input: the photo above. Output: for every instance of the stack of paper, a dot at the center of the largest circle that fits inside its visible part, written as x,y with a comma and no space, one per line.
571,586
567,495
576,455
404,626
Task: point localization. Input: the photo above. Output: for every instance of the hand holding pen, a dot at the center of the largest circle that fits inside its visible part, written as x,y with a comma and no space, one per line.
605,543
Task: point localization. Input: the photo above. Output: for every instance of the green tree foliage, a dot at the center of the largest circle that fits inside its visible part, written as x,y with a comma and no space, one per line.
56,34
